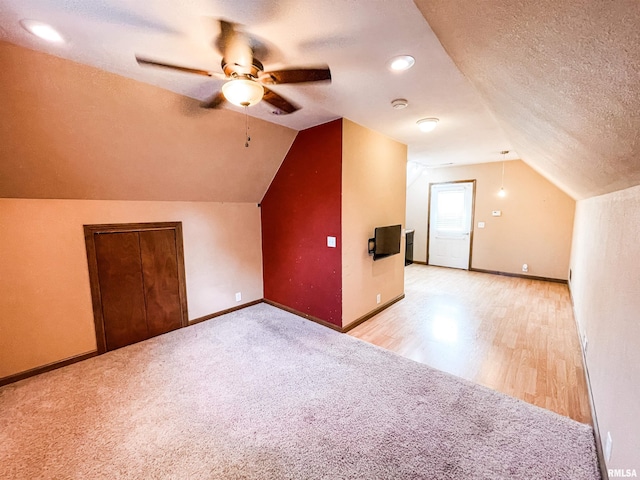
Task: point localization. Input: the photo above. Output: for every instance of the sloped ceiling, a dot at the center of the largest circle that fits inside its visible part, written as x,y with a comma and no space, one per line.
88,134
555,82
561,77
356,38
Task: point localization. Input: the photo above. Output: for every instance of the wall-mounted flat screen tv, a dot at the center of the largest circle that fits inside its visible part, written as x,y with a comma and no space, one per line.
386,241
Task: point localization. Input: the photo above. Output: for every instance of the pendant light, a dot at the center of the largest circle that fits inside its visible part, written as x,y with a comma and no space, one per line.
502,192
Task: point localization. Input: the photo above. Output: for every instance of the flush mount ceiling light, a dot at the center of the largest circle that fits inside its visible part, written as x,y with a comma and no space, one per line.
243,92
399,103
427,124
42,30
401,63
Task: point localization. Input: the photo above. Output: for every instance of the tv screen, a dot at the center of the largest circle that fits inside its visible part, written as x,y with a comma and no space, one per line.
387,241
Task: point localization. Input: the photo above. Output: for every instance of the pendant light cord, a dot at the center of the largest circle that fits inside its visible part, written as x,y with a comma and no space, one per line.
502,193
246,127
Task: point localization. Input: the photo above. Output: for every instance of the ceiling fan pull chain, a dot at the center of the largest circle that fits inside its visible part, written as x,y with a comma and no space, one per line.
246,127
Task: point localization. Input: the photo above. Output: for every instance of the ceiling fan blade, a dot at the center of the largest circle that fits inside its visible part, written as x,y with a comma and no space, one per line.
283,105
226,32
214,101
296,75
235,47
153,63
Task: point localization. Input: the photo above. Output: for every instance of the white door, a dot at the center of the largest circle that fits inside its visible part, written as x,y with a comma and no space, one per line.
450,221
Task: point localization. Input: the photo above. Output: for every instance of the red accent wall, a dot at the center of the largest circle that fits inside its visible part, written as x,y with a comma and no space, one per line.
301,208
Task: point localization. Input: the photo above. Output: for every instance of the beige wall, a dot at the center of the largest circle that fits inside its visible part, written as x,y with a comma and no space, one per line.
72,131
535,227
374,172
45,306
606,291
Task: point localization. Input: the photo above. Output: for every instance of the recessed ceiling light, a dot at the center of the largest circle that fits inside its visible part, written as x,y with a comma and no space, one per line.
427,124
401,63
399,103
42,30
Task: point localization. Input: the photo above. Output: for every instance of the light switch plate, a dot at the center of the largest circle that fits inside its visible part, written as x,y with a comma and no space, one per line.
331,242
496,213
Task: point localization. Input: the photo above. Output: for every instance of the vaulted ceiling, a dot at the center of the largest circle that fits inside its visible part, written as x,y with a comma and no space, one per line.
554,82
76,132
561,77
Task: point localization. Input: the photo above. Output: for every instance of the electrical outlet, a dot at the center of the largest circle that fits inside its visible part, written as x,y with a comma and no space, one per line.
378,298
525,267
238,296
585,342
607,447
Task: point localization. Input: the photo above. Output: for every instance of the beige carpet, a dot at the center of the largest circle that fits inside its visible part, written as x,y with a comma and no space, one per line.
262,394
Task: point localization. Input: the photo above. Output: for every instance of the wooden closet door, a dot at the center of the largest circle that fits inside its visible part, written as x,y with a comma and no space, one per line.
161,284
121,288
138,286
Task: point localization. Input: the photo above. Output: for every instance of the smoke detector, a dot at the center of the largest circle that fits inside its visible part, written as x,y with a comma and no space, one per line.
399,103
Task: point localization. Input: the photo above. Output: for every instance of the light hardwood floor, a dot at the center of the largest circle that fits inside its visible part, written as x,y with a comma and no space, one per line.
514,335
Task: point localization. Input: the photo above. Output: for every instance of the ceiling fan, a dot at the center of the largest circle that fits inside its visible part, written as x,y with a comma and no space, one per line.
245,75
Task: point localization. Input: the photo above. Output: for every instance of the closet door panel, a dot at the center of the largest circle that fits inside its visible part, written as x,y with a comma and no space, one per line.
121,288
161,283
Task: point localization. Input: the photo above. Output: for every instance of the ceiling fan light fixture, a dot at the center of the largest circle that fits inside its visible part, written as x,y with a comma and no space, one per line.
427,124
42,30
243,92
401,63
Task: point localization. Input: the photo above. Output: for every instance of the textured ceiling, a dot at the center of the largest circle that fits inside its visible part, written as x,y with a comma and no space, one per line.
561,77
356,38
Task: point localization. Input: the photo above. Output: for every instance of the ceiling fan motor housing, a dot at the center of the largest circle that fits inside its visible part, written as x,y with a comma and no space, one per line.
233,70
